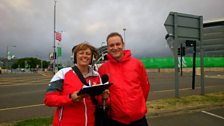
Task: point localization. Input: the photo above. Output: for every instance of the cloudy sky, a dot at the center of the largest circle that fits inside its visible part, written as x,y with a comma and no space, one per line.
29,24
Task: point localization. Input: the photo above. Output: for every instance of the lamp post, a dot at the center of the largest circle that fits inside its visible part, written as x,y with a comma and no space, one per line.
54,47
124,29
8,57
102,43
41,63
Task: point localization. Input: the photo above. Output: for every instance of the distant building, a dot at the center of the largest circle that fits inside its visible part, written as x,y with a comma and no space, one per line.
103,51
213,38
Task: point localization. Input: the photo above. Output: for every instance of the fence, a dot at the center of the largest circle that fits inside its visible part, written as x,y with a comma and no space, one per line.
187,62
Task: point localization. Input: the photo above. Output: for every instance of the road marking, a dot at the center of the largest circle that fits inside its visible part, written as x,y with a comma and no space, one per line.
215,76
213,114
21,93
21,107
182,89
23,84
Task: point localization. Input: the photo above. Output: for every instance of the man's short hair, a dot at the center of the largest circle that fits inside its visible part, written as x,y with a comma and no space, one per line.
115,34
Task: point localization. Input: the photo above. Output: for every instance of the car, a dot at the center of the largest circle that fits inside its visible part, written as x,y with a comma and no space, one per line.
22,70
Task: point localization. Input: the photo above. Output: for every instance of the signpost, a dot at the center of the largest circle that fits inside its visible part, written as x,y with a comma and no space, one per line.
181,28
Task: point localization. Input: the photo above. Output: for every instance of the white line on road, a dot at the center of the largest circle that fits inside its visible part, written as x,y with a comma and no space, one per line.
21,107
24,84
213,114
181,89
22,93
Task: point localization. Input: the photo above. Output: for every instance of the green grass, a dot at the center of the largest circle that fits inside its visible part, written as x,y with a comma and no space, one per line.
155,107
31,122
35,122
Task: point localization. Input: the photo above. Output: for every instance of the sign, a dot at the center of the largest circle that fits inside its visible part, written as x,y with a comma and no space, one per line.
58,36
59,51
183,26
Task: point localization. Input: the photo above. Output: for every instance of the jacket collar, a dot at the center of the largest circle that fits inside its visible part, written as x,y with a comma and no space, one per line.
91,72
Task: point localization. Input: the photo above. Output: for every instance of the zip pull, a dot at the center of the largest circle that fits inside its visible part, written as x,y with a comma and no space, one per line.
89,82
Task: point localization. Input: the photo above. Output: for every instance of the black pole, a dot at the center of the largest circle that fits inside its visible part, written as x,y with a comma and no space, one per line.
194,64
181,59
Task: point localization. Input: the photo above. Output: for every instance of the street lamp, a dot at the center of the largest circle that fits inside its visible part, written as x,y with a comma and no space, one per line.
54,46
41,63
102,43
124,29
8,57
7,52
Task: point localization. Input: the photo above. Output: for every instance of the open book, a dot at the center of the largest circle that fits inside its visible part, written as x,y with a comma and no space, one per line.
94,90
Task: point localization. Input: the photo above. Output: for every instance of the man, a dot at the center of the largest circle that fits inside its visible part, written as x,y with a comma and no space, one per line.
130,88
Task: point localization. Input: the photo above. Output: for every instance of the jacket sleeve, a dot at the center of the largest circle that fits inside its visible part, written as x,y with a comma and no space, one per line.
144,81
54,99
53,96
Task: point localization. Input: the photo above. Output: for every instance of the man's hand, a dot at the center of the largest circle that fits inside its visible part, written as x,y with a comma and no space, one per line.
106,94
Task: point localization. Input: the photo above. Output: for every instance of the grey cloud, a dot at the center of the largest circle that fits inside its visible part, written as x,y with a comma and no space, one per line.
28,24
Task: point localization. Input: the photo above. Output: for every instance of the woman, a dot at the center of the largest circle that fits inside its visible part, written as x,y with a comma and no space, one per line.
73,109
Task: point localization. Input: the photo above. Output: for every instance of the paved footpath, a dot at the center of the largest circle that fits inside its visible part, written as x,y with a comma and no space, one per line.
210,117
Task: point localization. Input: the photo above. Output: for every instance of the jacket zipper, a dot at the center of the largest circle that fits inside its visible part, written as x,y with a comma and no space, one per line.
86,117
60,115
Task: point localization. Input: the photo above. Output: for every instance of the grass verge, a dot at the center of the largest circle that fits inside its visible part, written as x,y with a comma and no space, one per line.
156,108
170,106
47,121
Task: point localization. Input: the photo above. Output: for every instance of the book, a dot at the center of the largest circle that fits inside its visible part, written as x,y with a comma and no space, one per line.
94,90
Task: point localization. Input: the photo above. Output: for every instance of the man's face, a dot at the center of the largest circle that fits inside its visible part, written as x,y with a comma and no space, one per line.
115,47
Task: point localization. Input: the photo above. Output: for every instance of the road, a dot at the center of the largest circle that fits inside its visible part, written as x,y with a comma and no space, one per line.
163,84
203,118
21,95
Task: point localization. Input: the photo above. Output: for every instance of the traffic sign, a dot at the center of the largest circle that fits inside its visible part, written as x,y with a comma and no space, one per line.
183,26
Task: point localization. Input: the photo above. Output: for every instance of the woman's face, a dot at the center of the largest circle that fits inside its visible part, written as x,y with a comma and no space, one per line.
83,57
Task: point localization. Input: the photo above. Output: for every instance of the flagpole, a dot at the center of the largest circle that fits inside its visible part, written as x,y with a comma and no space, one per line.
54,53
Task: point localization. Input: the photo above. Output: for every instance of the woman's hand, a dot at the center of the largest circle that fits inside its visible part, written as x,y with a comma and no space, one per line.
106,94
76,98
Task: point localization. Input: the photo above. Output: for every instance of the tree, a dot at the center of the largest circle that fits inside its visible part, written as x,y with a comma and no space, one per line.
29,62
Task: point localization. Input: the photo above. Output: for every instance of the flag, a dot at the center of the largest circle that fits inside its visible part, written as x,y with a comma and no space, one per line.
59,51
58,36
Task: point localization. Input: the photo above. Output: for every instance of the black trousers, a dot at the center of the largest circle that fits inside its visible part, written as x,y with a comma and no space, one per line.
140,122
